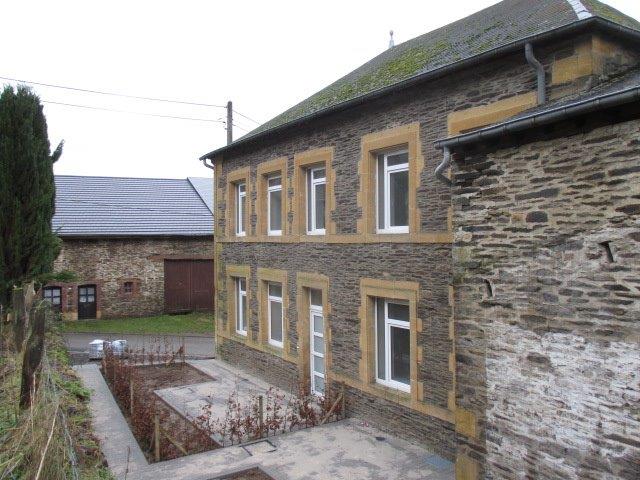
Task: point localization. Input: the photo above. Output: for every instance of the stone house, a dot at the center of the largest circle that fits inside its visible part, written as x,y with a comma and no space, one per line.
451,231
137,246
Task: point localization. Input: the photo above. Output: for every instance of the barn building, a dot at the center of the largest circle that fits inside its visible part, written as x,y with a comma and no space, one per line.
136,246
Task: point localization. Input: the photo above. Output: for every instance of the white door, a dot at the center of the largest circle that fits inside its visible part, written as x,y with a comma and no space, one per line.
317,347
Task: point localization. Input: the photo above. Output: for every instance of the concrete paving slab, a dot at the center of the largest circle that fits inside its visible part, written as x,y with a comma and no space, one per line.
345,450
189,400
118,444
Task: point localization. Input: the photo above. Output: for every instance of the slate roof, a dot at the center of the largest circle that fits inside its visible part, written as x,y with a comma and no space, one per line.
499,25
121,207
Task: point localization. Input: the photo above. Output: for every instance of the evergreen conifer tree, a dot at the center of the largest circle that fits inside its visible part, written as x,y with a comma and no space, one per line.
28,246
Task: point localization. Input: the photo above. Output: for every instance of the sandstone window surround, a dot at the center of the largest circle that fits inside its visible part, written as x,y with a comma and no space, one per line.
268,282
235,274
267,186
304,164
235,179
305,282
375,147
371,291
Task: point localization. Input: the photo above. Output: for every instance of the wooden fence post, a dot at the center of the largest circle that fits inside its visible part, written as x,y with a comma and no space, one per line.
156,428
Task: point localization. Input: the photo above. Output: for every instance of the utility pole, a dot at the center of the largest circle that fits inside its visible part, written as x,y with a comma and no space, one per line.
229,122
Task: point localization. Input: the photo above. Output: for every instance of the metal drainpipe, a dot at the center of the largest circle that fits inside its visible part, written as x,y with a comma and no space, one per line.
204,162
440,169
533,61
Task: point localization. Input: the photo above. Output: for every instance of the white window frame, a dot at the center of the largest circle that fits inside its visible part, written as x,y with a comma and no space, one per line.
388,323
273,298
316,310
311,199
241,313
270,190
387,171
240,212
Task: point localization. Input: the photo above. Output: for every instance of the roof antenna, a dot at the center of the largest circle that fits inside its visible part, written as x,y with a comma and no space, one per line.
391,44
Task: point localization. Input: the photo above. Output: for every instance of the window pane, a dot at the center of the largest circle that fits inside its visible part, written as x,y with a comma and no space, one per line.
241,215
400,355
83,291
397,159
243,316
91,299
398,311
318,364
380,334
55,300
241,188
320,205
276,321
318,173
275,181
316,296
318,324
275,290
243,284
318,384
399,197
275,210
309,201
318,345
381,199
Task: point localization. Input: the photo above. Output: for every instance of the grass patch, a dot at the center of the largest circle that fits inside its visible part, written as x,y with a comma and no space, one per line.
199,323
53,436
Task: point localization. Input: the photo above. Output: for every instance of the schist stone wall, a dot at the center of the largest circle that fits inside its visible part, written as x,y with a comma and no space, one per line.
346,263
108,263
547,306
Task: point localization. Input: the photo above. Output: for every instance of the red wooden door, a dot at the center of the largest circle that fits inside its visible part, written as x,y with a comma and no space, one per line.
202,285
188,285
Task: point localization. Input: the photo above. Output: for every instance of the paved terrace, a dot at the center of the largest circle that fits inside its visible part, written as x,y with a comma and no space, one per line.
345,450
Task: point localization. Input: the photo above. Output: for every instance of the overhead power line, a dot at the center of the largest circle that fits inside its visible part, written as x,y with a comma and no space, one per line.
113,94
123,95
248,118
133,113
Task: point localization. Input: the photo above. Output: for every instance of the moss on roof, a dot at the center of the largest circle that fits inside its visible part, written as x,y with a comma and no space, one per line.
498,25
603,10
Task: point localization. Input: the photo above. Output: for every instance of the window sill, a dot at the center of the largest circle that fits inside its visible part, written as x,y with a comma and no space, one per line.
394,387
391,231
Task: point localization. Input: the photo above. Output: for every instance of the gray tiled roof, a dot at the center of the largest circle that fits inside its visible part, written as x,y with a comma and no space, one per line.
116,206
501,24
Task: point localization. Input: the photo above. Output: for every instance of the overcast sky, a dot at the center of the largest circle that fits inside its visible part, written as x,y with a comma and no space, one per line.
265,56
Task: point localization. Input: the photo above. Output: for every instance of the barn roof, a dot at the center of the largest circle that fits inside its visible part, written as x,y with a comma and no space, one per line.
497,27
121,207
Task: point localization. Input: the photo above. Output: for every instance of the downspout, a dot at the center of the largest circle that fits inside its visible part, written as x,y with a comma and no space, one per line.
537,66
440,169
204,162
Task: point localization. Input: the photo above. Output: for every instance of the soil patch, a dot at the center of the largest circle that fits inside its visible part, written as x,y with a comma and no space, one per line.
178,435
251,474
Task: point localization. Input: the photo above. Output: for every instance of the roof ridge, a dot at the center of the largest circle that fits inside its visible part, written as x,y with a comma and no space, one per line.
202,199
579,9
119,177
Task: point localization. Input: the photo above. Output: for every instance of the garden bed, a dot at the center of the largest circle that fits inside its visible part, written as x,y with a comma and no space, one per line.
133,385
251,474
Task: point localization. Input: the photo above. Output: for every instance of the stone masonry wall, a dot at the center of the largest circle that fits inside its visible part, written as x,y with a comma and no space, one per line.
108,263
345,264
547,306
